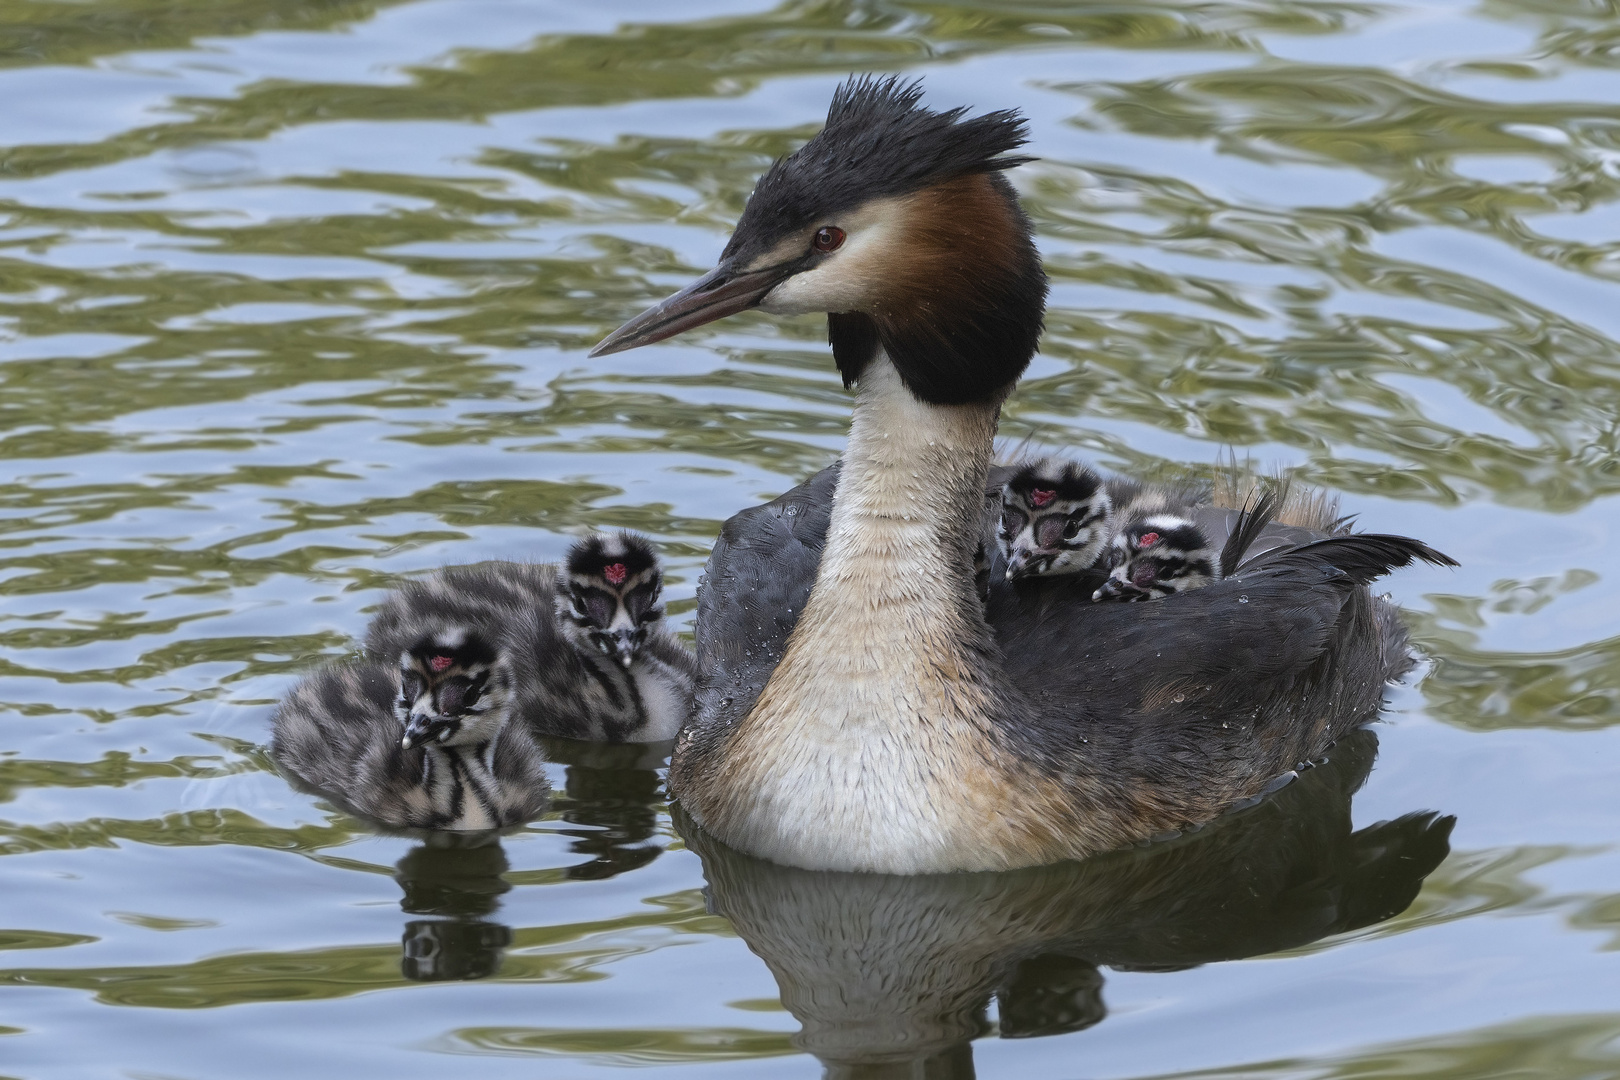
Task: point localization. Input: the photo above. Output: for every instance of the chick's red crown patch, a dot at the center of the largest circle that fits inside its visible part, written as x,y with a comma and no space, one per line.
615,573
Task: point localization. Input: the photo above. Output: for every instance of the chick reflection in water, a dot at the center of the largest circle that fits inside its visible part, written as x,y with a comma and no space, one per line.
610,803
458,879
892,976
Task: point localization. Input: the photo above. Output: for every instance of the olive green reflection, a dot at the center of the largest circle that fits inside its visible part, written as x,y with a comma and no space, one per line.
241,369
610,799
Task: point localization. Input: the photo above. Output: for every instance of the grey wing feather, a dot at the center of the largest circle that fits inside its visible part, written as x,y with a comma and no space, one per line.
754,587
335,735
333,720
520,772
1296,619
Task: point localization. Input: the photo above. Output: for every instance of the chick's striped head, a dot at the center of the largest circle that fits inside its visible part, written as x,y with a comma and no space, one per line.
608,594
1055,519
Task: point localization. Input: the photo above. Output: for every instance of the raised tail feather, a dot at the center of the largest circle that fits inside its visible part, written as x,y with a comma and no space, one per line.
1361,557
1254,517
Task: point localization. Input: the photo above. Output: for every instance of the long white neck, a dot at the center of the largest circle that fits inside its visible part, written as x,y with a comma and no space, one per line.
885,700
895,589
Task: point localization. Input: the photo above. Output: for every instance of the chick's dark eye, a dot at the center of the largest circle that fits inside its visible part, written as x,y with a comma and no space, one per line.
1072,529
457,695
410,687
828,238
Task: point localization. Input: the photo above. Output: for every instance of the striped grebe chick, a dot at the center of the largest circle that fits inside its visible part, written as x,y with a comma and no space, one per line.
608,603
1157,549
1056,518
1161,548
581,649
438,749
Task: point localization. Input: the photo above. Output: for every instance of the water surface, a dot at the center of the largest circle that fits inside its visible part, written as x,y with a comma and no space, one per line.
294,299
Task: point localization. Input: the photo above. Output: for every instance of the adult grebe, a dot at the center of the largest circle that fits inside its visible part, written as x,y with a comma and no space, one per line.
859,707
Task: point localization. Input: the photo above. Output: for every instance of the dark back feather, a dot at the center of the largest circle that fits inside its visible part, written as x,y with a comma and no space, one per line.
1221,687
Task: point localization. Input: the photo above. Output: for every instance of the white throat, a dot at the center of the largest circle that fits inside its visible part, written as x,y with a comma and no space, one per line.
880,713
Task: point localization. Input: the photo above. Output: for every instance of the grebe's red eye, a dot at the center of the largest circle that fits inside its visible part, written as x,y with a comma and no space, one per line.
828,238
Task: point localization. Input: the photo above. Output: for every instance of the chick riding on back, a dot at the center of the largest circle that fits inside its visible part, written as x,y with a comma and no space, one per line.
1056,518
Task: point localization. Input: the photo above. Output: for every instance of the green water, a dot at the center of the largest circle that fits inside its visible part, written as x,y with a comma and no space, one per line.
294,299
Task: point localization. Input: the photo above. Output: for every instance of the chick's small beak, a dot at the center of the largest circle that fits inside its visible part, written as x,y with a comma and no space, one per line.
624,644
725,290
1117,589
421,729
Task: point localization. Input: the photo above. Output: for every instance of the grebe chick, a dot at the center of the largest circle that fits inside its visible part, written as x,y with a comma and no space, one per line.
1056,518
582,655
609,604
860,706
1155,554
1162,549
438,751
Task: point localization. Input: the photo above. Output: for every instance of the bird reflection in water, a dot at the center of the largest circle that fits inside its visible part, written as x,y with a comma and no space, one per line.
457,879
613,790
892,976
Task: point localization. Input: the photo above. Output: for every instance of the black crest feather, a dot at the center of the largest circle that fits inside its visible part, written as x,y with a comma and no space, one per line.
878,141
1254,517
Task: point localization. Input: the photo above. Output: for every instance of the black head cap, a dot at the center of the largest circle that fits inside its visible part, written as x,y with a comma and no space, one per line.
878,141
1066,481
614,559
461,651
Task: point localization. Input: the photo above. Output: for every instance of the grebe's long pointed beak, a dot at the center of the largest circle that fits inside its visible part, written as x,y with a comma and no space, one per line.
725,290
